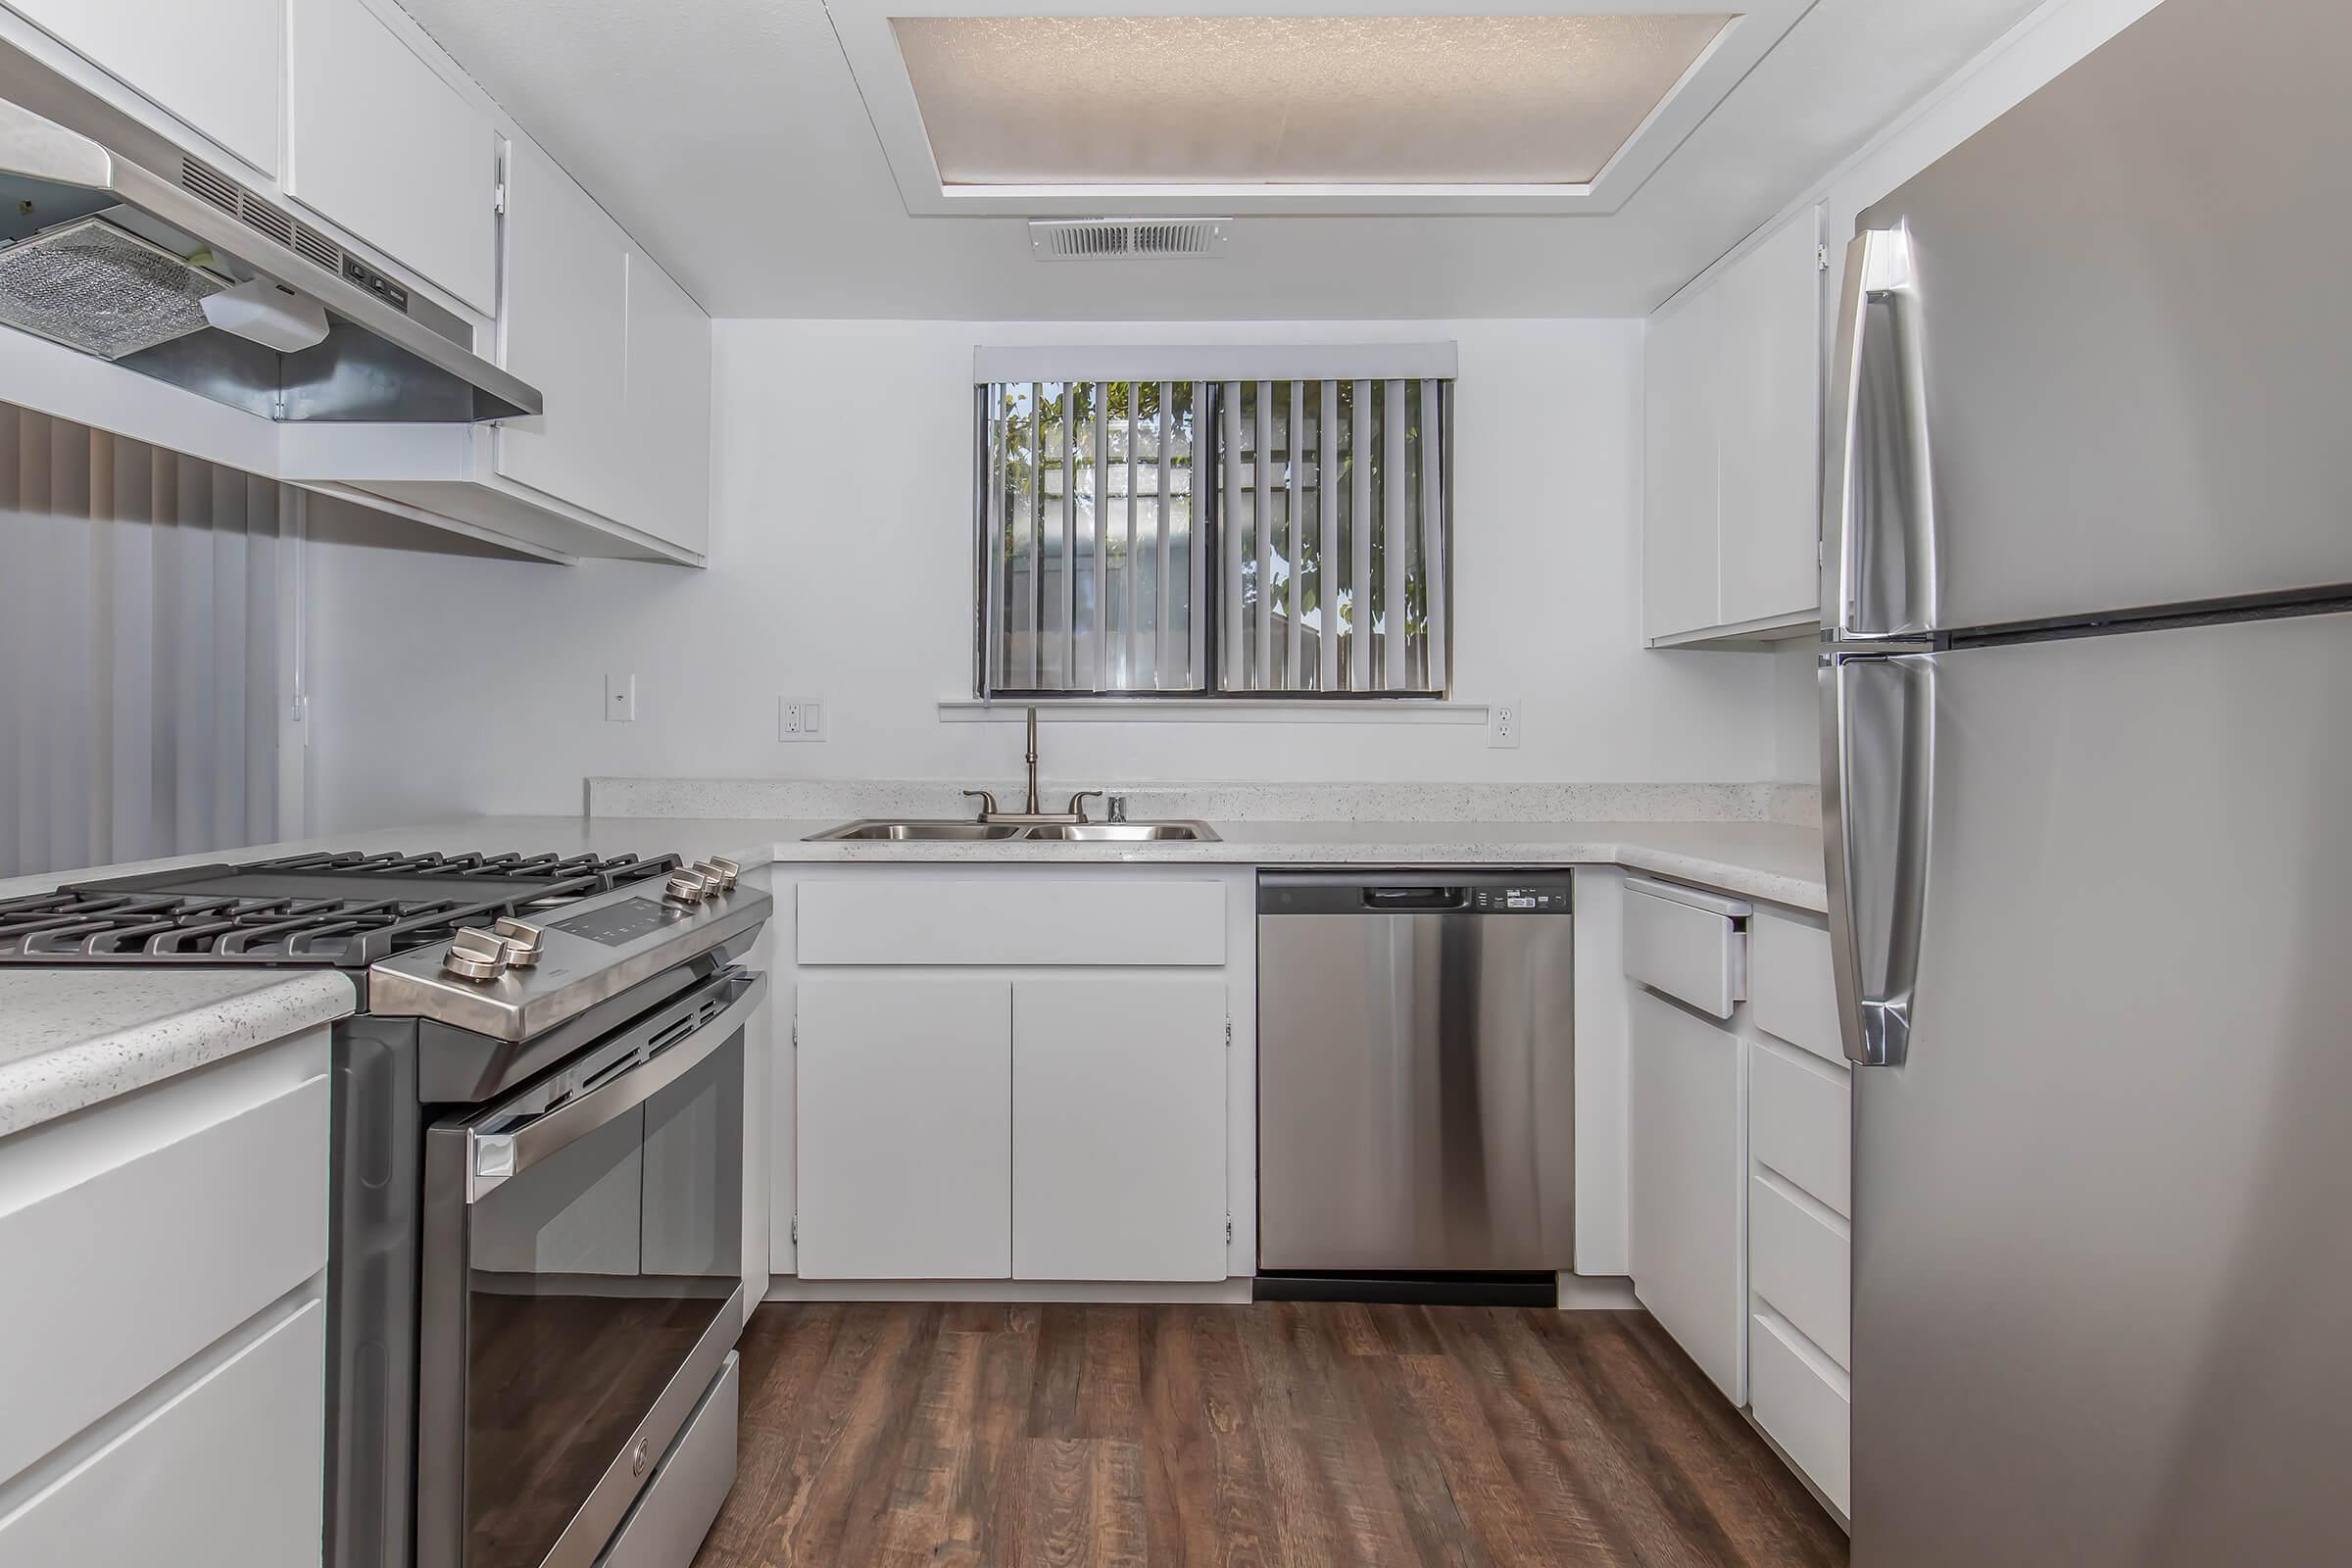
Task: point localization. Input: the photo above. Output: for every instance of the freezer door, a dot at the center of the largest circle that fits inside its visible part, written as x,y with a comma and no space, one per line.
2098,360
2101,1245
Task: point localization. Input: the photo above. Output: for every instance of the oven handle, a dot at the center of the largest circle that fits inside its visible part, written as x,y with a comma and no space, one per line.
492,1158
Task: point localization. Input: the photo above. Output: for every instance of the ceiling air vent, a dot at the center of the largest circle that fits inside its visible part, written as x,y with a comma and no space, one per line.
1104,239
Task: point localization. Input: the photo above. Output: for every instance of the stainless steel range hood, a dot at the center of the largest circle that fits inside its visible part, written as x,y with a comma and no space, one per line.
112,240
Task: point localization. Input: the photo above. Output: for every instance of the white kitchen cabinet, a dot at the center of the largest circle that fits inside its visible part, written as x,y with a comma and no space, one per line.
904,1126
222,1474
1679,571
668,408
381,142
564,326
213,66
1806,1402
1688,1236
1731,515
1118,1119
162,1321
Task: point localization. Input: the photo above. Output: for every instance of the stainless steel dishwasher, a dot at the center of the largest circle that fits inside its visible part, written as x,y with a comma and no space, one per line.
1415,1073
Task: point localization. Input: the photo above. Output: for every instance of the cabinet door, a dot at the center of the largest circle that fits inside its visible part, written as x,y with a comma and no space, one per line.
668,403
224,1474
1768,427
1677,509
564,326
381,143
1118,1106
904,1127
214,65
1689,1239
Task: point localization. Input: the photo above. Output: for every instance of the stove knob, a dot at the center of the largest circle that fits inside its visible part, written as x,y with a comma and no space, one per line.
522,939
685,887
727,870
716,881
476,955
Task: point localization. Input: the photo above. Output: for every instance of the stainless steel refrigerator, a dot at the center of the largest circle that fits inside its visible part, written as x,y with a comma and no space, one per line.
2087,779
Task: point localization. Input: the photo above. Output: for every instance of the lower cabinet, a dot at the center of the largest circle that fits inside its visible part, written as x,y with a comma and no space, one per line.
1036,1126
1118,1127
1688,1236
906,1127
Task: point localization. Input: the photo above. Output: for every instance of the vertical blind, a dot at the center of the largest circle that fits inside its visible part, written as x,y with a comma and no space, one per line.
138,702
1276,537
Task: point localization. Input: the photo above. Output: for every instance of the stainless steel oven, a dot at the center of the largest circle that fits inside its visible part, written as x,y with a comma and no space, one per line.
581,1282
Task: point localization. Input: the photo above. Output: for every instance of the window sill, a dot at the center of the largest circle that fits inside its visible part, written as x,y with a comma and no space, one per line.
1214,711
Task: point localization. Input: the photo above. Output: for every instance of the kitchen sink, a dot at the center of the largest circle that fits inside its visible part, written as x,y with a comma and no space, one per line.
1126,832
918,831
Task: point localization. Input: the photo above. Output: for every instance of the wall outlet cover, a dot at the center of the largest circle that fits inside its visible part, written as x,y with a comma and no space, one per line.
1502,724
620,699
800,719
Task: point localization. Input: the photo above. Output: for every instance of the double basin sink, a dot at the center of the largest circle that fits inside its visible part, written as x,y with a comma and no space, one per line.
967,832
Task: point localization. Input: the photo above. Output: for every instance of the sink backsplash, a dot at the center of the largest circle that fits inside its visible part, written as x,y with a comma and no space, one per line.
812,800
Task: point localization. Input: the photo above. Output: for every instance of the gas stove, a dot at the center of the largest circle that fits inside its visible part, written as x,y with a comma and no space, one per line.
340,910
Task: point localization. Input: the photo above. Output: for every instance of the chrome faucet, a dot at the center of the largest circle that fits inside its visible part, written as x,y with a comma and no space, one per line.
1030,813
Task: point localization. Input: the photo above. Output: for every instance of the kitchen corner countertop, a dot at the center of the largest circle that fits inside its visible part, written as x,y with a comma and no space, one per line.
72,1037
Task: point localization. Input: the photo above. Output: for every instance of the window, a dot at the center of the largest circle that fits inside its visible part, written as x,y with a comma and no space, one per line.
1214,535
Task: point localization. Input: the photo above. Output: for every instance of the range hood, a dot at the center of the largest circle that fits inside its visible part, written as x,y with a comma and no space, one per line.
116,243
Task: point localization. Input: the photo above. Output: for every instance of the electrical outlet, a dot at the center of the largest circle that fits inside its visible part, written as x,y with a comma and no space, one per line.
799,719
1503,724
620,699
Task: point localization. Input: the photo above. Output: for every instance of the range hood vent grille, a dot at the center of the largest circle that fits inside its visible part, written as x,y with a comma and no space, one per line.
1105,239
202,180
100,289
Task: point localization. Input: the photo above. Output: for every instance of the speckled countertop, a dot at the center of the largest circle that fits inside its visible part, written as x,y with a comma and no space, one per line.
70,1038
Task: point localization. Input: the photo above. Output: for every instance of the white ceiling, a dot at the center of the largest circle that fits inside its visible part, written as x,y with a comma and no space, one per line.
730,138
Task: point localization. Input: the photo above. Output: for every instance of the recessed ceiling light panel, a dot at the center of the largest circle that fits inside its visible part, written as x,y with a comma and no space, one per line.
1230,100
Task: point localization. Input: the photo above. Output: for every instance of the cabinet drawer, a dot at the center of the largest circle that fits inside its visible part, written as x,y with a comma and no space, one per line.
1805,1404
115,1280
1800,1113
1000,921
228,1471
1801,1264
1686,945
1791,987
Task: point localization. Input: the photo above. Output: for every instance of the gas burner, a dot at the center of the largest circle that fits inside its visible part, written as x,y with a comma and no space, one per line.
343,909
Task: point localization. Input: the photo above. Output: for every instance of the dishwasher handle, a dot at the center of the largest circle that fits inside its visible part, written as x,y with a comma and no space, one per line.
1412,898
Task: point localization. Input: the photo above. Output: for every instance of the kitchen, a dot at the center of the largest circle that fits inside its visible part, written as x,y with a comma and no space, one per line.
778,790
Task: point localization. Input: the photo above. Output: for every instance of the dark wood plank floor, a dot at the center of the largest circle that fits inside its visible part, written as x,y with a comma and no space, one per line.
1359,1437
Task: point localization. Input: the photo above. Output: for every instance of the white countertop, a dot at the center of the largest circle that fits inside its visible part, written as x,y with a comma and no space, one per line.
70,1038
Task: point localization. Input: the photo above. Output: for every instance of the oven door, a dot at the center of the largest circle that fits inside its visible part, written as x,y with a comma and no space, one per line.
582,1284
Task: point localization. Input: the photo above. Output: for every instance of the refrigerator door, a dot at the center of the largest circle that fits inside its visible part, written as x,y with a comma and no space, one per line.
2098,361
2101,1238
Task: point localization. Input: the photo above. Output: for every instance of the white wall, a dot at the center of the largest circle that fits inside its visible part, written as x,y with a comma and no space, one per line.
2029,57
841,570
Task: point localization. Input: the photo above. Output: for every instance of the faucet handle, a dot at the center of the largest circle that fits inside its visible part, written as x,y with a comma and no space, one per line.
988,802
1079,800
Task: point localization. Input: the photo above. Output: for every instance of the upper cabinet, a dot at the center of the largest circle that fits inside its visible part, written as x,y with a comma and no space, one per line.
1731,518
212,66
564,326
379,141
623,354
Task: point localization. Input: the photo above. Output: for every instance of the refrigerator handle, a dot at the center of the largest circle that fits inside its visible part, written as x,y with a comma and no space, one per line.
1878,782
1879,577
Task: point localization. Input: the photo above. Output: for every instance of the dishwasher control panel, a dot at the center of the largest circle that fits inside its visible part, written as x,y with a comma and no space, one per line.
1519,900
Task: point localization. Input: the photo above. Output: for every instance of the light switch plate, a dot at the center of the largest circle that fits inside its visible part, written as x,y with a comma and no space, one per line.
800,719
620,699
1502,724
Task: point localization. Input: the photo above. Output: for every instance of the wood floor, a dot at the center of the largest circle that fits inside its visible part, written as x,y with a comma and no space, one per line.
1359,1437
